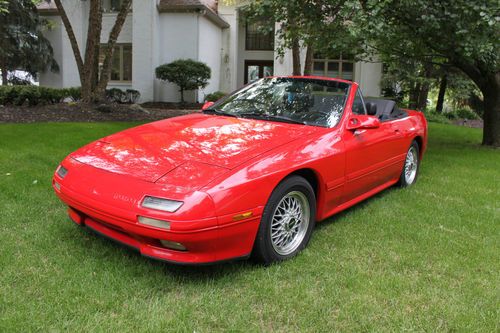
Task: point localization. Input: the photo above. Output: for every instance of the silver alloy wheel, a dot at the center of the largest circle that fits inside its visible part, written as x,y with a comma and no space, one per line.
290,222
411,165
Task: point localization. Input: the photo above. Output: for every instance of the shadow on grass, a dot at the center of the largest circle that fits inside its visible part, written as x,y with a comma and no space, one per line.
340,216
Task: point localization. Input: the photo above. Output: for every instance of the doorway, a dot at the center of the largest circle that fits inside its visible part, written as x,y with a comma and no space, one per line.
256,69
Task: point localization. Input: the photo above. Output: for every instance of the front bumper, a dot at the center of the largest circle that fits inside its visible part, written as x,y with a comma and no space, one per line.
206,242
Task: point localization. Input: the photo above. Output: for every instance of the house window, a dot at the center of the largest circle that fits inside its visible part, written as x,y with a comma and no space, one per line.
111,6
121,64
257,40
341,66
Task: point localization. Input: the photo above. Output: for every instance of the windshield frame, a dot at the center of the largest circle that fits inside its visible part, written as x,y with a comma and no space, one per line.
221,101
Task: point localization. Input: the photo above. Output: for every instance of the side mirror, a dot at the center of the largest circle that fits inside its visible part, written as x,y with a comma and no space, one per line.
207,105
362,122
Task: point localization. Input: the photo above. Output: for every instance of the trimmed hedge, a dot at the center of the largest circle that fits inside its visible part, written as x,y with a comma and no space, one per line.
215,96
35,95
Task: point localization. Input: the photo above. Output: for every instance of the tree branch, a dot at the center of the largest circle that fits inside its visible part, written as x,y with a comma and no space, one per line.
71,36
113,36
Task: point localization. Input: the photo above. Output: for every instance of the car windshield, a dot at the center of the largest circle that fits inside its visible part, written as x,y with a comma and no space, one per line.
296,100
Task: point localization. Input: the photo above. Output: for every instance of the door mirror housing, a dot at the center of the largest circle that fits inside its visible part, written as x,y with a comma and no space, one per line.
362,122
207,105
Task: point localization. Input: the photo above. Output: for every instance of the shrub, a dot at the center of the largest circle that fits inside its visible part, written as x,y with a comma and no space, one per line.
465,113
133,96
7,95
435,117
35,95
462,113
75,93
27,94
115,95
188,74
215,96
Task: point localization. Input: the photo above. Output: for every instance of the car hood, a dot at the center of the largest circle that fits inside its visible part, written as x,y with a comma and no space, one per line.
151,151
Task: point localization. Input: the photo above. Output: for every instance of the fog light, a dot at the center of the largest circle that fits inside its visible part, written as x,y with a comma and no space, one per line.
57,186
154,222
173,245
62,171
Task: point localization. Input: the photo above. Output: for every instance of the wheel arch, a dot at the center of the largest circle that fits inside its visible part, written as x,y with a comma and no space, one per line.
420,141
314,178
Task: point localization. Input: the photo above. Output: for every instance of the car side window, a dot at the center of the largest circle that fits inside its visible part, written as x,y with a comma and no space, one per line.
358,106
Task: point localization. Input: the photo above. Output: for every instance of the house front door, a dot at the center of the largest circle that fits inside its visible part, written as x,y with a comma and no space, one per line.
256,69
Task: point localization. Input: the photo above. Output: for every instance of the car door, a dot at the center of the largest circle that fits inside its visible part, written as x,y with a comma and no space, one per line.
370,155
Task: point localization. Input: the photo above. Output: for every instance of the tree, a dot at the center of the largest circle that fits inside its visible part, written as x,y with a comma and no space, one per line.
22,44
188,74
461,33
93,82
319,25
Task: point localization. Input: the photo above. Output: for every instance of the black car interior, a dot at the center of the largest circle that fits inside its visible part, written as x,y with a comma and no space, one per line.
384,109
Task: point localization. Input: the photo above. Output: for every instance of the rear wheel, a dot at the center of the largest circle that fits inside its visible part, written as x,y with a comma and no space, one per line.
287,221
410,168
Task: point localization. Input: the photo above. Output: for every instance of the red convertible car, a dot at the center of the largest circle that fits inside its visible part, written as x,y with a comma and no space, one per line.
248,175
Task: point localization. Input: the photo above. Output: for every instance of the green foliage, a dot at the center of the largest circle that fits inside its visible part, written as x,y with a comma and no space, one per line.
324,25
133,95
461,33
188,74
23,45
116,95
434,117
75,93
215,96
462,113
35,95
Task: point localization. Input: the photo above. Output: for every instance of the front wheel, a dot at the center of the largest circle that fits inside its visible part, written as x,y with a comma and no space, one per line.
410,169
287,221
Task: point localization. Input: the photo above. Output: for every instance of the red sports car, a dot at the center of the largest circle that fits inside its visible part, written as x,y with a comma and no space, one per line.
249,175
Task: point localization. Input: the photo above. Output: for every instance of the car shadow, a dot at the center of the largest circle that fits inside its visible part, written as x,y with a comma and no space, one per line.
185,274
340,216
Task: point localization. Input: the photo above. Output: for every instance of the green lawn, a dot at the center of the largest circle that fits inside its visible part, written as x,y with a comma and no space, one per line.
425,258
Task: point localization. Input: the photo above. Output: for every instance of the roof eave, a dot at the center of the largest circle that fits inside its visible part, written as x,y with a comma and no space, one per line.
201,9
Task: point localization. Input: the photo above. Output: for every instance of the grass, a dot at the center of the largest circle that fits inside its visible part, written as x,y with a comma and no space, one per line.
424,258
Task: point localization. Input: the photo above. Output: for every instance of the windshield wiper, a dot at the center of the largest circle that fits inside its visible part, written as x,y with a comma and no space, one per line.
219,112
271,117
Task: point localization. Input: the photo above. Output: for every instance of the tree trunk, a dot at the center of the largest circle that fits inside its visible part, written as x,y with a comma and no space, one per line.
442,91
489,83
309,62
491,95
296,57
95,70
108,56
93,40
182,95
422,96
72,38
414,94
4,74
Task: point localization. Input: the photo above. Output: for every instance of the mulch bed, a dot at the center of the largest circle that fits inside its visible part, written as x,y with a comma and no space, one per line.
89,113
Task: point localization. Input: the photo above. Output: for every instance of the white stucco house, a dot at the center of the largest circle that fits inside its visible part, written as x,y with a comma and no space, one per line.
160,31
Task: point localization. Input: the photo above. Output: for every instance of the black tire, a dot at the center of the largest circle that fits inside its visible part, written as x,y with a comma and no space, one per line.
404,179
292,188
